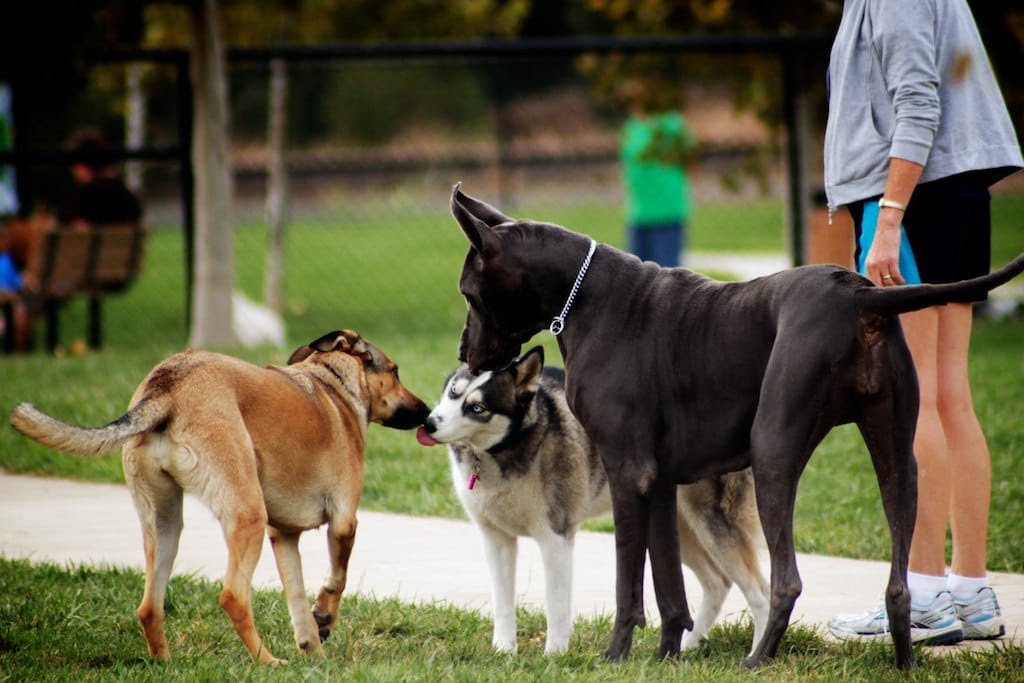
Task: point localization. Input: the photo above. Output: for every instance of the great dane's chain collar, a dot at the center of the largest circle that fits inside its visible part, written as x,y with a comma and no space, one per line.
558,324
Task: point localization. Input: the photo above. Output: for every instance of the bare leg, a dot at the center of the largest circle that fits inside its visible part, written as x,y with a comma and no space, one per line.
971,465
928,548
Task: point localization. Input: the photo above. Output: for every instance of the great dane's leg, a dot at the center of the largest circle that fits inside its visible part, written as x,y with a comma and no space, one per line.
556,552
341,537
888,431
783,436
500,551
289,567
663,546
631,512
158,501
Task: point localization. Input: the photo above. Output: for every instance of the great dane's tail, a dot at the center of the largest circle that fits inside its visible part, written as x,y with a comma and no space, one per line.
889,301
50,431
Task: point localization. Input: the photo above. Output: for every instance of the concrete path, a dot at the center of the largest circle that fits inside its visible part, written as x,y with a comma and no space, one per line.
417,559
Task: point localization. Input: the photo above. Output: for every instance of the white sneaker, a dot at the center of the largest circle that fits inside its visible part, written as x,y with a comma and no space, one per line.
980,615
933,624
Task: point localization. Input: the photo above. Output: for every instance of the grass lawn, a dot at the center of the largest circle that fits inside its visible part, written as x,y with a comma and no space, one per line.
395,281
60,624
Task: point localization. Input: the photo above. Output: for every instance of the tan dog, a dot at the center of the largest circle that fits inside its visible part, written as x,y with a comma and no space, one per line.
276,448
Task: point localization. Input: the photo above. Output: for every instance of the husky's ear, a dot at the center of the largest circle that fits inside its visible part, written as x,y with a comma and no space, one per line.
527,370
476,220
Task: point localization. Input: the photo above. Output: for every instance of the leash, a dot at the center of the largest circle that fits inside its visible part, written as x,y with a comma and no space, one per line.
558,324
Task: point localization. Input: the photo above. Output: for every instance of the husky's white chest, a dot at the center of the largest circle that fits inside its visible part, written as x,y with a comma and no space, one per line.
514,504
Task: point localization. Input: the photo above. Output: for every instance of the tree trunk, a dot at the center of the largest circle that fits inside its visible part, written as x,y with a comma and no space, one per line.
277,185
135,124
214,245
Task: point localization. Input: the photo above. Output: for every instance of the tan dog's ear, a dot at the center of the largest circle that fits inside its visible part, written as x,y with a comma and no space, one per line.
345,341
327,342
300,354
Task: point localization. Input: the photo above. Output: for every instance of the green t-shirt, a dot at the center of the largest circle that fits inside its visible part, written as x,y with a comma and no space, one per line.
652,153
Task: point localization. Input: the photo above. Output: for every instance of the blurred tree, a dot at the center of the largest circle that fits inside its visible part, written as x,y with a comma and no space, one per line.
214,265
1001,23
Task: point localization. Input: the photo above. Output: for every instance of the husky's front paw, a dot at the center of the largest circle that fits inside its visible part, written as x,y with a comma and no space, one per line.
691,640
505,644
556,645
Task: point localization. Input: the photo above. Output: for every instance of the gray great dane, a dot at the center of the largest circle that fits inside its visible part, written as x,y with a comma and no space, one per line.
676,377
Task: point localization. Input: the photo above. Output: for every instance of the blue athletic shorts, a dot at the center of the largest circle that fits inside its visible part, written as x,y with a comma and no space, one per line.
947,232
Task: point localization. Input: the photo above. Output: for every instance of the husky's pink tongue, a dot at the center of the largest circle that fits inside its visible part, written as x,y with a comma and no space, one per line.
424,438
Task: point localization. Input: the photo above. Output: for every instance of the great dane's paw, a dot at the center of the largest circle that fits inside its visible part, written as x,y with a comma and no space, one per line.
617,652
753,661
668,650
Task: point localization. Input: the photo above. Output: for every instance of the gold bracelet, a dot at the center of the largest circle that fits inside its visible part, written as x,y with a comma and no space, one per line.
884,203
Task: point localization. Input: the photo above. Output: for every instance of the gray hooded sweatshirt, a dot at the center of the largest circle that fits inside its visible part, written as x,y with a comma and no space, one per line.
910,79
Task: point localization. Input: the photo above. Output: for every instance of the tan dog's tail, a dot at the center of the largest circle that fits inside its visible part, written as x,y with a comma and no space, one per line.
63,436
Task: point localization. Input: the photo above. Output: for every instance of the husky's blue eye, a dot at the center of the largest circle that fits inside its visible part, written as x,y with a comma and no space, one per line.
477,408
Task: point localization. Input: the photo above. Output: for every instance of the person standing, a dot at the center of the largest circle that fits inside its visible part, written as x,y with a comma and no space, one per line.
917,132
653,151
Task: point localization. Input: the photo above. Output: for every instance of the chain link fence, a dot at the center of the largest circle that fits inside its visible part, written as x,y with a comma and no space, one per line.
373,147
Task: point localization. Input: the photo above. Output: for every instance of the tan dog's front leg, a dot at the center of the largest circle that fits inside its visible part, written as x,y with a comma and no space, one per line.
341,536
289,567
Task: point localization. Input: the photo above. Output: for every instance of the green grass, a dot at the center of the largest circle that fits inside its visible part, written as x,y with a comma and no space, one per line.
395,281
78,623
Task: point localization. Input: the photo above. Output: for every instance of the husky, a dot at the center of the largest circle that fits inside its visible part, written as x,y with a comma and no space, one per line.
522,465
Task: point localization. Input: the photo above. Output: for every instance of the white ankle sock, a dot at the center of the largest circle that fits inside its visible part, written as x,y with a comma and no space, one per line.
924,587
965,586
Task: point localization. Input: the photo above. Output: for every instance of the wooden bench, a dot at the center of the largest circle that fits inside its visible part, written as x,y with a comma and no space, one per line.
91,263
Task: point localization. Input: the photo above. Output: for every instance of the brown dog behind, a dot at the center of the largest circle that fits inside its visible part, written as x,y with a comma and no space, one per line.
275,448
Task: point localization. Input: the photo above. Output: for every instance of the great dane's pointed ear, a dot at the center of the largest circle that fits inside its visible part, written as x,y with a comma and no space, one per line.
527,370
476,219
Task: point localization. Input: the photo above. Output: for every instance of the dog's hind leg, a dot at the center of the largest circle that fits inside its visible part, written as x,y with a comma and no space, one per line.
556,552
289,567
714,583
228,483
158,501
783,437
243,530
744,568
888,431
500,551
341,538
